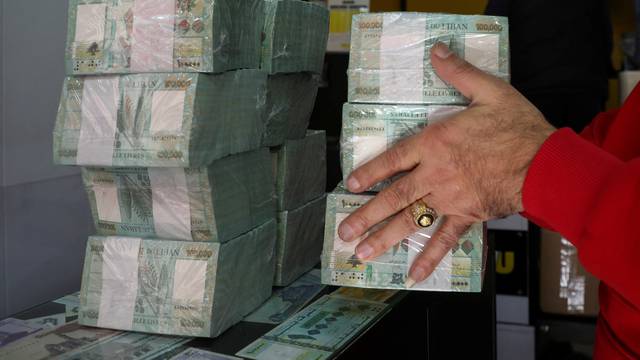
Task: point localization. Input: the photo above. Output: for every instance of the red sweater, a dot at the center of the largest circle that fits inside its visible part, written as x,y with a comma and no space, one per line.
588,188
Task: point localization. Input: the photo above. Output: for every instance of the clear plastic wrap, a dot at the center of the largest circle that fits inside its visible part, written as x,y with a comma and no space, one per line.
290,102
134,36
159,120
390,55
300,170
177,288
215,203
300,234
295,36
368,130
462,269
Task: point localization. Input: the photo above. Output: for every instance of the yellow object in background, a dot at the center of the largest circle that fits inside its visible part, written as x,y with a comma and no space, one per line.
470,7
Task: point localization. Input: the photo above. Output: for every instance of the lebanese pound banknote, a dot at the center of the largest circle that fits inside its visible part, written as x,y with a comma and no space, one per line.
159,120
368,130
390,54
15,329
49,321
317,332
175,288
215,203
296,34
198,354
461,270
130,346
133,36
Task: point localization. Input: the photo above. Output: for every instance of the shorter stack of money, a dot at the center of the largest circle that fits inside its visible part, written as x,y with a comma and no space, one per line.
126,36
461,270
295,36
176,287
216,203
159,120
390,55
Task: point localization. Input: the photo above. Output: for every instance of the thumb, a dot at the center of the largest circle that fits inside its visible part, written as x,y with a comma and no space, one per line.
473,83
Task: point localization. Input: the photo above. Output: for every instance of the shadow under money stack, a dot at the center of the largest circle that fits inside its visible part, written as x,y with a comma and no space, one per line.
171,144
394,93
295,39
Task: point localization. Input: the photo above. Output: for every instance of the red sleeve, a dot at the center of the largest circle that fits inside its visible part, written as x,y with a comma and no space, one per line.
596,132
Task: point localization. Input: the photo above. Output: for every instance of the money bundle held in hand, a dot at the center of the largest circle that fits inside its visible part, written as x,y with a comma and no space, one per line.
127,36
176,287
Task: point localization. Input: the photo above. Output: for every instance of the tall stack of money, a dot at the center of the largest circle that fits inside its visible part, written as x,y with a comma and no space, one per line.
393,93
165,109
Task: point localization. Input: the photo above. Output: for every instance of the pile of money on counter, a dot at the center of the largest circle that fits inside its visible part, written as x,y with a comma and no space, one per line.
170,108
393,93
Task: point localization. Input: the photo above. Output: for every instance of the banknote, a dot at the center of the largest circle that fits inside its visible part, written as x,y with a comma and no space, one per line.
198,354
14,329
216,203
288,300
300,235
365,294
55,343
49,321
317,332
159,120
130,346
71,303
296,34
368,130
122,36
176,287
461,270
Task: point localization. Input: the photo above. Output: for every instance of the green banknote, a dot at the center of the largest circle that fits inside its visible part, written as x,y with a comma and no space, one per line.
300,234
216,203
317,332
295,36
133,36
129,346
159,120
175,287
461,269
368,130
290,102
300,170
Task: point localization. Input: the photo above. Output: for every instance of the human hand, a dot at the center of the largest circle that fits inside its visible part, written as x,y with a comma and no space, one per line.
470,167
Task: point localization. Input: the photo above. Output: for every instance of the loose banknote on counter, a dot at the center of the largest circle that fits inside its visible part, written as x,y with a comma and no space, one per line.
176,287
460,270
15,329
198,354
216,203
159,120
122,36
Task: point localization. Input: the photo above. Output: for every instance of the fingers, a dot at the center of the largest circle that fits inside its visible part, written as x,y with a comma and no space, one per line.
472,82
389,201
403,156
376,244
445,239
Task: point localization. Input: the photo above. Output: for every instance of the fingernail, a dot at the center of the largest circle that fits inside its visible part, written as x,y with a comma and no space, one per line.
345,231
364,251
353,184
409,283
441,50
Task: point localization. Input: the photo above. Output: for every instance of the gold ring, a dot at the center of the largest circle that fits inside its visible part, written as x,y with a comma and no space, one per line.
423,215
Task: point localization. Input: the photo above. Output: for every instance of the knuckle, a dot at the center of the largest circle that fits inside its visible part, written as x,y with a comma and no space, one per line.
447,239
463,68
359,222
391,197
393,157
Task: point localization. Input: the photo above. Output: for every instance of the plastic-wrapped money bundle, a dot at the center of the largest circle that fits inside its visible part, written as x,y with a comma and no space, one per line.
176,287
370,129
123,36
159,120
290,101
215,203
390,55
300,169
296,34
460,270
300,234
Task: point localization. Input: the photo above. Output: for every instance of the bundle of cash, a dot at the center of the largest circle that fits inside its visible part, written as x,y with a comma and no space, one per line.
368,130
133,36
460,270
300,234
175,287
390,55
296,34
159,120
215,203
290,101
300,169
